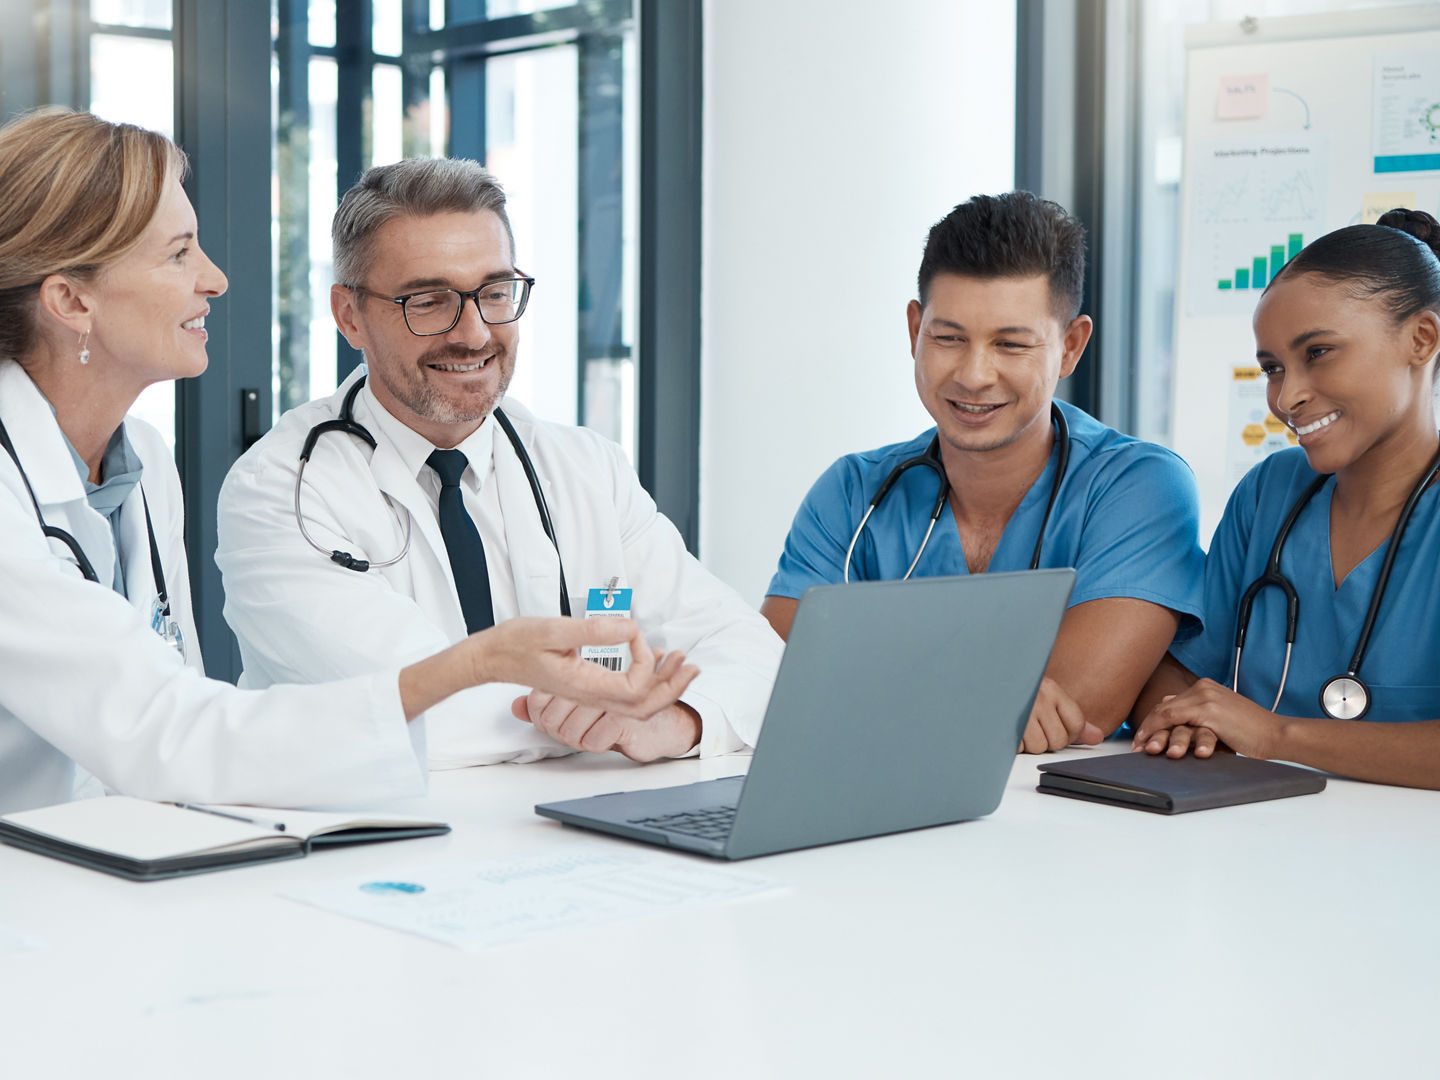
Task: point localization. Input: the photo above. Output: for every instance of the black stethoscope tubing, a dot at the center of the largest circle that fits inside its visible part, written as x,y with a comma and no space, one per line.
87,569
930,459
347,424
1345,696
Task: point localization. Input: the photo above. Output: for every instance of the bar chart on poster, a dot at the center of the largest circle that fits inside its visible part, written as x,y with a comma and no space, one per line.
1293,127
1256,199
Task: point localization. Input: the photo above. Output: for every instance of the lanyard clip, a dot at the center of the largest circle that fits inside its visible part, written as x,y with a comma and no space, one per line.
610,587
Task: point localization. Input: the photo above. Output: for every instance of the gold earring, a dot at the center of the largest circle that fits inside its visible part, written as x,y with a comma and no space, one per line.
85,347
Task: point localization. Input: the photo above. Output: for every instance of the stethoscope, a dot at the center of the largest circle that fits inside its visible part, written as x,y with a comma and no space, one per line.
161,621
1344,696
930,459
347,423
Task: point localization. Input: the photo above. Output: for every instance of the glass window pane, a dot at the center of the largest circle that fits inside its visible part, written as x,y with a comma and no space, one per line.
156,406
303,325
323,200
614,378
387,115
608,136
1163,76
531,120
385,33
132,82
322,23
495,9
438,116
148,13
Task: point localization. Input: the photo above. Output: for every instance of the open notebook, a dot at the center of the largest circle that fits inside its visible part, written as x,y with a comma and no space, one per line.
144,841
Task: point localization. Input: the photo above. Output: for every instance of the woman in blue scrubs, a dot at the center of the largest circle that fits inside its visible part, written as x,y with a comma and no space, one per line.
1347,336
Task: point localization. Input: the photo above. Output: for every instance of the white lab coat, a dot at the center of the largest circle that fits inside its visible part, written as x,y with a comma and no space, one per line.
85,682
300,617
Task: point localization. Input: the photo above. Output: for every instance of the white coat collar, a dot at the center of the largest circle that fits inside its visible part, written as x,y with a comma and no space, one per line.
42,449
37,437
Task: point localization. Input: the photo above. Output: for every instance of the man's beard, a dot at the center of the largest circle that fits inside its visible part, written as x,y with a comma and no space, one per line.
434,403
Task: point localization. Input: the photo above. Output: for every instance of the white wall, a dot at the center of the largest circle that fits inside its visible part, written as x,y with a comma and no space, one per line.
836,133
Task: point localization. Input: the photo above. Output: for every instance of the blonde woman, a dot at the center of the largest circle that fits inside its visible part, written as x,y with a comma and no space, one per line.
104,290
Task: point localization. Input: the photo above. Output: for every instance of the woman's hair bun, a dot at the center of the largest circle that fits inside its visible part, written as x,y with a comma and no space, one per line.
1417,223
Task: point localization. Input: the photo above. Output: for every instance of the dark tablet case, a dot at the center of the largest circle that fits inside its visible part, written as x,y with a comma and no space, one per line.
1164,785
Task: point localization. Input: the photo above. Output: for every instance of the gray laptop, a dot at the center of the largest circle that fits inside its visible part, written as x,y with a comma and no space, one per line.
898,705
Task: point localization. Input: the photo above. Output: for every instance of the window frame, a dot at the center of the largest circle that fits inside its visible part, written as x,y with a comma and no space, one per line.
671,62
1076,109
223,122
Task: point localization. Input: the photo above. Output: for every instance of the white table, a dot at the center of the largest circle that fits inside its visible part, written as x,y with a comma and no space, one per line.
1054,938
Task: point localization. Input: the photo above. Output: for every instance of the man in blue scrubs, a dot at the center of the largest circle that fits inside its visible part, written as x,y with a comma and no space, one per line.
995,328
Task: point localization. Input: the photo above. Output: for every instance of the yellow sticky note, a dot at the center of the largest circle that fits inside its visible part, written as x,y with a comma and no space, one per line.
1379,202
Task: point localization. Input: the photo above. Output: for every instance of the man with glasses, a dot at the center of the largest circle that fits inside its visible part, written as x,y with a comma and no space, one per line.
427,505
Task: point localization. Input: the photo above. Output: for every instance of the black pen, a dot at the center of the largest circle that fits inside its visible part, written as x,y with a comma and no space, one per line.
278,826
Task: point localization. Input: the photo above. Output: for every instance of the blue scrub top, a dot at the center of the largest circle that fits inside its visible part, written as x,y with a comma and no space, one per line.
1402,664
1127,518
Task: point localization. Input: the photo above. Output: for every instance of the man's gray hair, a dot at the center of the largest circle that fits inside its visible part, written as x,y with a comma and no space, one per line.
416,187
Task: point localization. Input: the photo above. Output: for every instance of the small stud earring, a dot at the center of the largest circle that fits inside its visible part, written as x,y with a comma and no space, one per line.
84,347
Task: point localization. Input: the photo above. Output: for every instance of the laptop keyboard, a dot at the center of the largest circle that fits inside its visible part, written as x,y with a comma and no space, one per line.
712,823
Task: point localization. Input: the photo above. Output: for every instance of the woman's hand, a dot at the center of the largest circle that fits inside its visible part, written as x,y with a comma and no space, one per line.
1206,714
543,654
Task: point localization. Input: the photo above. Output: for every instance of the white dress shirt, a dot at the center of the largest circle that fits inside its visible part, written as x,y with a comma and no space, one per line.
477,492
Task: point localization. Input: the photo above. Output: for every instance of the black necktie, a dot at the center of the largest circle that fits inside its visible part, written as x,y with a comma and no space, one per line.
462,542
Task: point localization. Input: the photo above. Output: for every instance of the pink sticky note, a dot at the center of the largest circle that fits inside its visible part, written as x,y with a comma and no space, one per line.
1243,97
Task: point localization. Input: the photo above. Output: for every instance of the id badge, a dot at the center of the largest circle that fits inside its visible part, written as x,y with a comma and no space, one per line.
608,602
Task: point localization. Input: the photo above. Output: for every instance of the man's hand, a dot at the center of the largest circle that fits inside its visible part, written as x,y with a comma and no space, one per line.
669,732
1056,722
1201,717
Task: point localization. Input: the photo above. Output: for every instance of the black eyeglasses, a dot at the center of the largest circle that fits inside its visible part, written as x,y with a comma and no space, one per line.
436,311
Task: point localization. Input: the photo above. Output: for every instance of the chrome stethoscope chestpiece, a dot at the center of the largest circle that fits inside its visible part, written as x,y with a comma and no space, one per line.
1345,697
